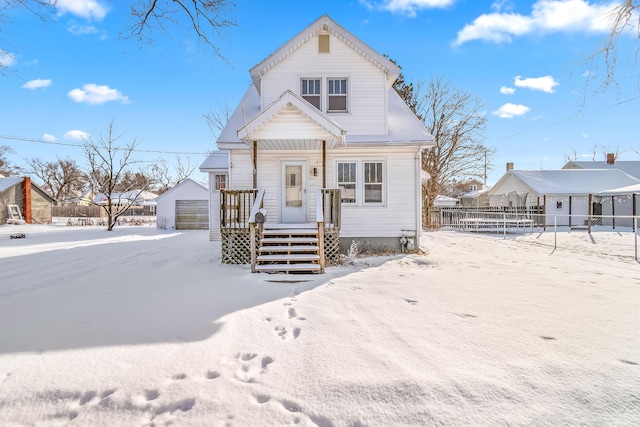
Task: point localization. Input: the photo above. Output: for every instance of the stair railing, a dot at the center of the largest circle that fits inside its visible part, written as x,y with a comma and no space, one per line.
320,222
253,244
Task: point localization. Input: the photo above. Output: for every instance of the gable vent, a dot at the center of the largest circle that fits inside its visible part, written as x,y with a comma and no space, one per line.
323,43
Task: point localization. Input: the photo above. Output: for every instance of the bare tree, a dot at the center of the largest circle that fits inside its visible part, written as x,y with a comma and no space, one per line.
456,121
625,17
110,171
62,179
6,168
570,157
207,19
165,180
218,119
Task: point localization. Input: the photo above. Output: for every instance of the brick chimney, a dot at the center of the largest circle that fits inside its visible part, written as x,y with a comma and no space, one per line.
611,158
509,166
26,199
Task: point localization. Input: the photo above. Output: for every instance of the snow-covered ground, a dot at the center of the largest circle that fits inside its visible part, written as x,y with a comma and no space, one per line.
143,327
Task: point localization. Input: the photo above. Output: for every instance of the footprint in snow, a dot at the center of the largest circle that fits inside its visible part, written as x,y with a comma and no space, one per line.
179,377
212,375
547,338
150,395
411,301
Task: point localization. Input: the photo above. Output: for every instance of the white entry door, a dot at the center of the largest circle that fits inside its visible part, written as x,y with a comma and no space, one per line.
293,193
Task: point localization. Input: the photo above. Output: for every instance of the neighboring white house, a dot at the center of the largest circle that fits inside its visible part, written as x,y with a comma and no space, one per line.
441,201
562,192
184,207
322,114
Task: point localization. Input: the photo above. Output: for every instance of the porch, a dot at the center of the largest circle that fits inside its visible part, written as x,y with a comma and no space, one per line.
248,236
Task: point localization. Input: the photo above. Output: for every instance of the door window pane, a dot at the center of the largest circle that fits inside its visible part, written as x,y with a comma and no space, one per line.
293,185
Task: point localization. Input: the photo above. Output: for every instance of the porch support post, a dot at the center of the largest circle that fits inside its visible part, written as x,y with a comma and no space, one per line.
569,212
590,211
255,164
252,245
613,211
634,211
324,164
544,198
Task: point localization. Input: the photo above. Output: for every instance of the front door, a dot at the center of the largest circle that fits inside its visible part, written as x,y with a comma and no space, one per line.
293,193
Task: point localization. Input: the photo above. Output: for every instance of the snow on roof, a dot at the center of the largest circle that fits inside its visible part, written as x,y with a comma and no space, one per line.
204,185
136,196
630,189
216,160
574,181
404,126
9,182
631,167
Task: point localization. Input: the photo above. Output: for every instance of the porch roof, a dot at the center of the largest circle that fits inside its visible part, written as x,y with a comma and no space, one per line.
404,126
290,122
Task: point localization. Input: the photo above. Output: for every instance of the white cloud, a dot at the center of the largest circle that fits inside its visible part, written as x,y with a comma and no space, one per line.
7,59
545,84
509,111
88,9
37,84
547,16
50,138
94,94
507,90
77,135
81,30
407,7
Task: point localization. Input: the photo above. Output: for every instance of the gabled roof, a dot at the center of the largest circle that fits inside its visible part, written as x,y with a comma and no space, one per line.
321,126
216,161
569,181
9,182
631,167
187,181
629,189
324,23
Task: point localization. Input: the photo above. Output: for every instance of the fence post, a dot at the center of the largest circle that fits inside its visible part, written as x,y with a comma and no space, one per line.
504,224
635,236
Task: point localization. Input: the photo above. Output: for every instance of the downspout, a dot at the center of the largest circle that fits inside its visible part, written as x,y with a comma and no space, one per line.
419,201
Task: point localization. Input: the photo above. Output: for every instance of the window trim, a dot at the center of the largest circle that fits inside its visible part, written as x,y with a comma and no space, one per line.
360,182
324,92
318,95
337,95
216,182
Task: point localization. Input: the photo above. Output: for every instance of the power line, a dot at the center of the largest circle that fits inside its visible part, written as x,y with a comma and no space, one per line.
71,144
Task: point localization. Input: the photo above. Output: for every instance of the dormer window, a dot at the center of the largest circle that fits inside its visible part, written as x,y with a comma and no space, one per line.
337,102
474,187
311,91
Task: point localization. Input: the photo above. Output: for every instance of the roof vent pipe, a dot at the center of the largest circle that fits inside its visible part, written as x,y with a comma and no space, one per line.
611,158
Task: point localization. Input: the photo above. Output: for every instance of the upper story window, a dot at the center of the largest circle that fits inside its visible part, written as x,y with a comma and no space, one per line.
474,187
311,91
337,95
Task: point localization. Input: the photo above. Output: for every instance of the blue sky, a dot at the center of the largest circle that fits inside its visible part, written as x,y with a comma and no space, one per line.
525,60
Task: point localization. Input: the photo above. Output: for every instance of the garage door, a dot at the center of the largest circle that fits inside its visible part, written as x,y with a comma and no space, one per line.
192,214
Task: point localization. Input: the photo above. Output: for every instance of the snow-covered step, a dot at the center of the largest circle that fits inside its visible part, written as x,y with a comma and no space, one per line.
288,258
313,268
290,232
289,240
305,248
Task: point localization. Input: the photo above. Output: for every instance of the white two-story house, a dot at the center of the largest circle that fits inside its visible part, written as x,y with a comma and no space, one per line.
320,115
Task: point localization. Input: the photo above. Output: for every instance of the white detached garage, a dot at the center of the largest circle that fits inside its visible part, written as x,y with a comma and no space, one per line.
184,207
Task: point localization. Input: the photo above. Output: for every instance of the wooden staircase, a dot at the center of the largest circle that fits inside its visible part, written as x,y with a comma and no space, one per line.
290,249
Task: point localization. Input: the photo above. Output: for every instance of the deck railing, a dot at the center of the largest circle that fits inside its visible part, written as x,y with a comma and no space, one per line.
235,229
255,227
328,213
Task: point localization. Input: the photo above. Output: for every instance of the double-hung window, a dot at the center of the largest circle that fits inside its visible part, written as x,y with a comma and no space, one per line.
221,181
347,181
337,95
372,182
311,91
361,183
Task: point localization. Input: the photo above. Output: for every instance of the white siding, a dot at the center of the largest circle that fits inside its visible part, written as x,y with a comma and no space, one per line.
241,170
512,184
214,209
366,83
400,199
